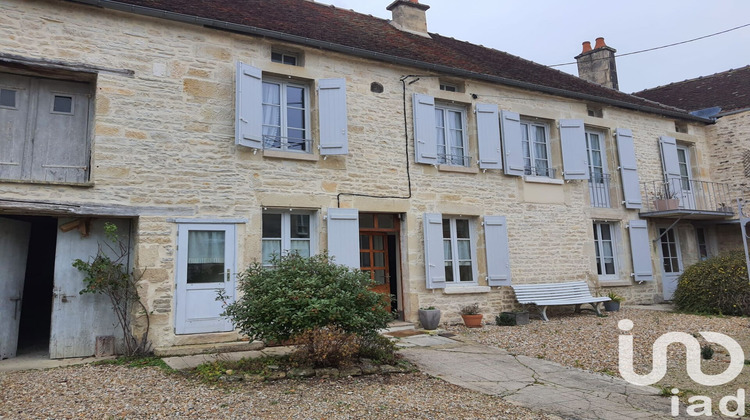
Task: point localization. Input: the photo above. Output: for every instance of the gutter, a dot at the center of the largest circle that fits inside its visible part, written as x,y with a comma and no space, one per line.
251,30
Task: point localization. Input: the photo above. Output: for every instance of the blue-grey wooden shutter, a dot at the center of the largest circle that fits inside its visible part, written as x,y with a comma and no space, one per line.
434,256
574,154
631,185
332,117
249,106
671,165
496,246
640,248
488,136
510,123
425,132
343,236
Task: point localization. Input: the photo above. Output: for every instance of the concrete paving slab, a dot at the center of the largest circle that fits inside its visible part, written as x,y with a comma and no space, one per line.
427,340
539,384
44,362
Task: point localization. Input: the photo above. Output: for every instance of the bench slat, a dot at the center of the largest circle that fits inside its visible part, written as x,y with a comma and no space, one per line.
549,294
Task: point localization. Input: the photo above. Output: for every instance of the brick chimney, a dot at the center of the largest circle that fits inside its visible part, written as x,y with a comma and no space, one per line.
598,65
409,16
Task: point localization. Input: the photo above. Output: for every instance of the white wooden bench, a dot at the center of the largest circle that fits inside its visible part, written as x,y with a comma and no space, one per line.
549,294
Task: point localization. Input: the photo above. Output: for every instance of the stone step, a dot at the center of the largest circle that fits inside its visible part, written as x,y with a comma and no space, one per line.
398,326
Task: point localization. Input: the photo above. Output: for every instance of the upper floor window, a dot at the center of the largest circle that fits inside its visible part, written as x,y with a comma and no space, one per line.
285,116
535,143
285,233
457,251
273,113
45,129
451,136
285,58
448,87
598,174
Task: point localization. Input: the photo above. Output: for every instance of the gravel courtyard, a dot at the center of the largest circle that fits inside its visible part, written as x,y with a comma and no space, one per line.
117,392
586,341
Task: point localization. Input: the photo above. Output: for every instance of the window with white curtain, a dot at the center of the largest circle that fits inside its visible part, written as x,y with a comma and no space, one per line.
206,250
286,116
535,143
451,135
458,254
605,246
287,232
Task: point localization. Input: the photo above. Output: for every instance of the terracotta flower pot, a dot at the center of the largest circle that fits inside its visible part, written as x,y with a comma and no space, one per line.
472,321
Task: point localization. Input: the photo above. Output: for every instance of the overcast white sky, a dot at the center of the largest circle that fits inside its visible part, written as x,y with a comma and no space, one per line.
551,32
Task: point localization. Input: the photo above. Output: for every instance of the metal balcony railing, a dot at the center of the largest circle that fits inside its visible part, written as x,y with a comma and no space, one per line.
287,143
539,171
458,160
683,194
599,190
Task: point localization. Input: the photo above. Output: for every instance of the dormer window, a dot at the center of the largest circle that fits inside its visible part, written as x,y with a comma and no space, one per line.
285,58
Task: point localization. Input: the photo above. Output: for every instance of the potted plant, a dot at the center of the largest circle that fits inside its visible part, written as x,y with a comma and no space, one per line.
429,317
512,318
614,304
666,200
471,316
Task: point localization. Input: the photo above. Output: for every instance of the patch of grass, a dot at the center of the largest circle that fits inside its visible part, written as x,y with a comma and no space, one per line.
136,362
211,371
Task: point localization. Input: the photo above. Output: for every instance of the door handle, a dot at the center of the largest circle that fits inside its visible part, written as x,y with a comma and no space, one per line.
229,275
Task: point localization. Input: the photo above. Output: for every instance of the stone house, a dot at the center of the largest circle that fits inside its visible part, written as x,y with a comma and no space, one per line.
724,97
216,133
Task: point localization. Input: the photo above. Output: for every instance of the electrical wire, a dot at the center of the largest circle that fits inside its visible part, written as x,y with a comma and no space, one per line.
663,46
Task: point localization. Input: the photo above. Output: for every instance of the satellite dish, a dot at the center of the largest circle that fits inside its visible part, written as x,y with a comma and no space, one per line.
707,112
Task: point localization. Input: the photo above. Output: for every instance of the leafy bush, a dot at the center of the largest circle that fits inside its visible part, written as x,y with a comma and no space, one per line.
327,347
718,285
378,348
707,352
300,294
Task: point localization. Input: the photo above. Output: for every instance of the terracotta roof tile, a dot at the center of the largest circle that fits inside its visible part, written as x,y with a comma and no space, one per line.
342,27
729,90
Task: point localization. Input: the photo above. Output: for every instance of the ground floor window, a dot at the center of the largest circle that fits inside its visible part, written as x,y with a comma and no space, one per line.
703,252
458,255
669,251
604,244
285,233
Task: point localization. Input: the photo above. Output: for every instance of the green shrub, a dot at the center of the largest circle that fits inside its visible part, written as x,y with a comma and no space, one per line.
718,285
327,347
378,348
299,294
707,352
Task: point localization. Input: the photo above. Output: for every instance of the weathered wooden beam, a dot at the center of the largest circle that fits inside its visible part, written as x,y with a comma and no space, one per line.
28,207
41,63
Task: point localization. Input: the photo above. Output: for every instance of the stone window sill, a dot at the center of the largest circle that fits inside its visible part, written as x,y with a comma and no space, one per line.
543,180
465,290
88,184
460,169
290,155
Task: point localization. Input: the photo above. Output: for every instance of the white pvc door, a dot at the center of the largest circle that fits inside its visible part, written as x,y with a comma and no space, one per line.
14,246
205,265
671,261
77,319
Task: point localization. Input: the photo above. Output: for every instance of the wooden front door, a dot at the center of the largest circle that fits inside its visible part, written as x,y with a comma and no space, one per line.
373,258
14,245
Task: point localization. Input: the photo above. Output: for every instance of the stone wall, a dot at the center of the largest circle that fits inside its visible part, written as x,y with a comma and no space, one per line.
164,139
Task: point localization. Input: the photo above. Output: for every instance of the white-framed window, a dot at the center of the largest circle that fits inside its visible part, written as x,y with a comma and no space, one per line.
536,152
605,245
598,174
448,87
286,232
285,58
450,123
458,251
286,116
